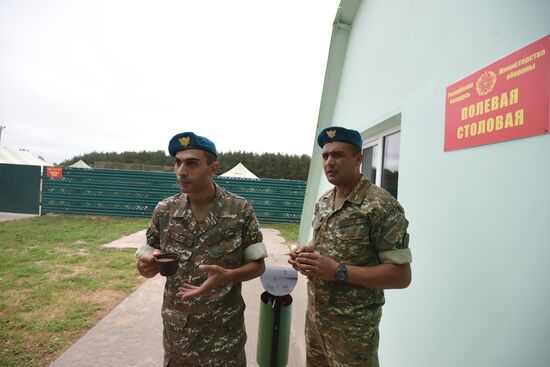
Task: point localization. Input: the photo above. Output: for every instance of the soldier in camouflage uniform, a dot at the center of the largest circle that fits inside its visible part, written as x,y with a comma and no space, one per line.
359,248
220,245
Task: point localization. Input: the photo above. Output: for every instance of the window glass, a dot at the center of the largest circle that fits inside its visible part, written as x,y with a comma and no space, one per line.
390,163
370,162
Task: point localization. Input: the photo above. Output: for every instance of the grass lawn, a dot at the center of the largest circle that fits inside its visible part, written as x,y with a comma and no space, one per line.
57,281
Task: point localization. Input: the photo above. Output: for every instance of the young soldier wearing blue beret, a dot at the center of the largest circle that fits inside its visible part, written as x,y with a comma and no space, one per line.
359,248
220,245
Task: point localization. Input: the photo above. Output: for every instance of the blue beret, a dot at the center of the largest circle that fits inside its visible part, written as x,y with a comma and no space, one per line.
337,133
189,140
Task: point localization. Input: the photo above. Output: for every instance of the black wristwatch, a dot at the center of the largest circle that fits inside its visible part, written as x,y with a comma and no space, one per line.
341,272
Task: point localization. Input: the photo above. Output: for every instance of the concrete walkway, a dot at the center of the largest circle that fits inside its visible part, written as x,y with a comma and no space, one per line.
4,217
131,335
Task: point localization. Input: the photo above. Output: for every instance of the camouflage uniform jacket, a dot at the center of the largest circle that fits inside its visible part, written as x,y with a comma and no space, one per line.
369,229
207,328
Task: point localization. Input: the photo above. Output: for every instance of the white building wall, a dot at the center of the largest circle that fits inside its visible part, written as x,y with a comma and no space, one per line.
480,217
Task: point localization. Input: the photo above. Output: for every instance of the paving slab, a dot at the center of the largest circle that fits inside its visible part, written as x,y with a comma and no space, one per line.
131,335
134,240
4,217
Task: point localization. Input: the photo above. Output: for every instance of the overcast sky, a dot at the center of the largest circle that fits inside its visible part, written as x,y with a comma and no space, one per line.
126,75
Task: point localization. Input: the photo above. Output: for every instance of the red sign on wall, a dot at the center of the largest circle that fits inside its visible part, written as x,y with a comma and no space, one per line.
54,172
506,100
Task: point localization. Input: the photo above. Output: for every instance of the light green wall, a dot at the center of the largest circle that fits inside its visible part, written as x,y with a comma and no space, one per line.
480,218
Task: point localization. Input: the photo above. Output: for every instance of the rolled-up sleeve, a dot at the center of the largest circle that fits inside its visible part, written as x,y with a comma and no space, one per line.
393,239
152,235
254,247
144,249
255,252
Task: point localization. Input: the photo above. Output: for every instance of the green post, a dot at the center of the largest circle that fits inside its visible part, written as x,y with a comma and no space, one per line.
274,330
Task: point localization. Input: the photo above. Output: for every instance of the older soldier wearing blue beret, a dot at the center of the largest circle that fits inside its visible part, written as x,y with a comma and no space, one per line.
359,248
218,239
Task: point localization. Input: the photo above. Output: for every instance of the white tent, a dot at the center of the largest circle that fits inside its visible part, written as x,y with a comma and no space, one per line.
80,164
240,171
14,156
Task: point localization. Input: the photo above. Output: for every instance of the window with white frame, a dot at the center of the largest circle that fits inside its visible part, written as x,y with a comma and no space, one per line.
381,159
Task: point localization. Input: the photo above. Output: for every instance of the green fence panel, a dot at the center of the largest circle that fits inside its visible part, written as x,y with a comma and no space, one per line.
136,193
19,188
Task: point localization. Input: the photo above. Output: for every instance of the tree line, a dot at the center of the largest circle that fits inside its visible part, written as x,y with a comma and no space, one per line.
265,165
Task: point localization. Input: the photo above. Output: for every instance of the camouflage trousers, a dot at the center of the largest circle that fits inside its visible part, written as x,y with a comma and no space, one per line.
236,361
337,343
191,340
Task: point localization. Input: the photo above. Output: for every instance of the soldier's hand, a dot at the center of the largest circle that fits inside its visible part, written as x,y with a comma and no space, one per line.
296,252
317,266
147,266
217,276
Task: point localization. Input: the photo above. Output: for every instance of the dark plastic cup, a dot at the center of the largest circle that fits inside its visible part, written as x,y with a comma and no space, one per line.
168,263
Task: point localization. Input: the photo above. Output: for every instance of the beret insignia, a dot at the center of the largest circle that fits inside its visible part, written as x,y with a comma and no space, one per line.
184,141
331,133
